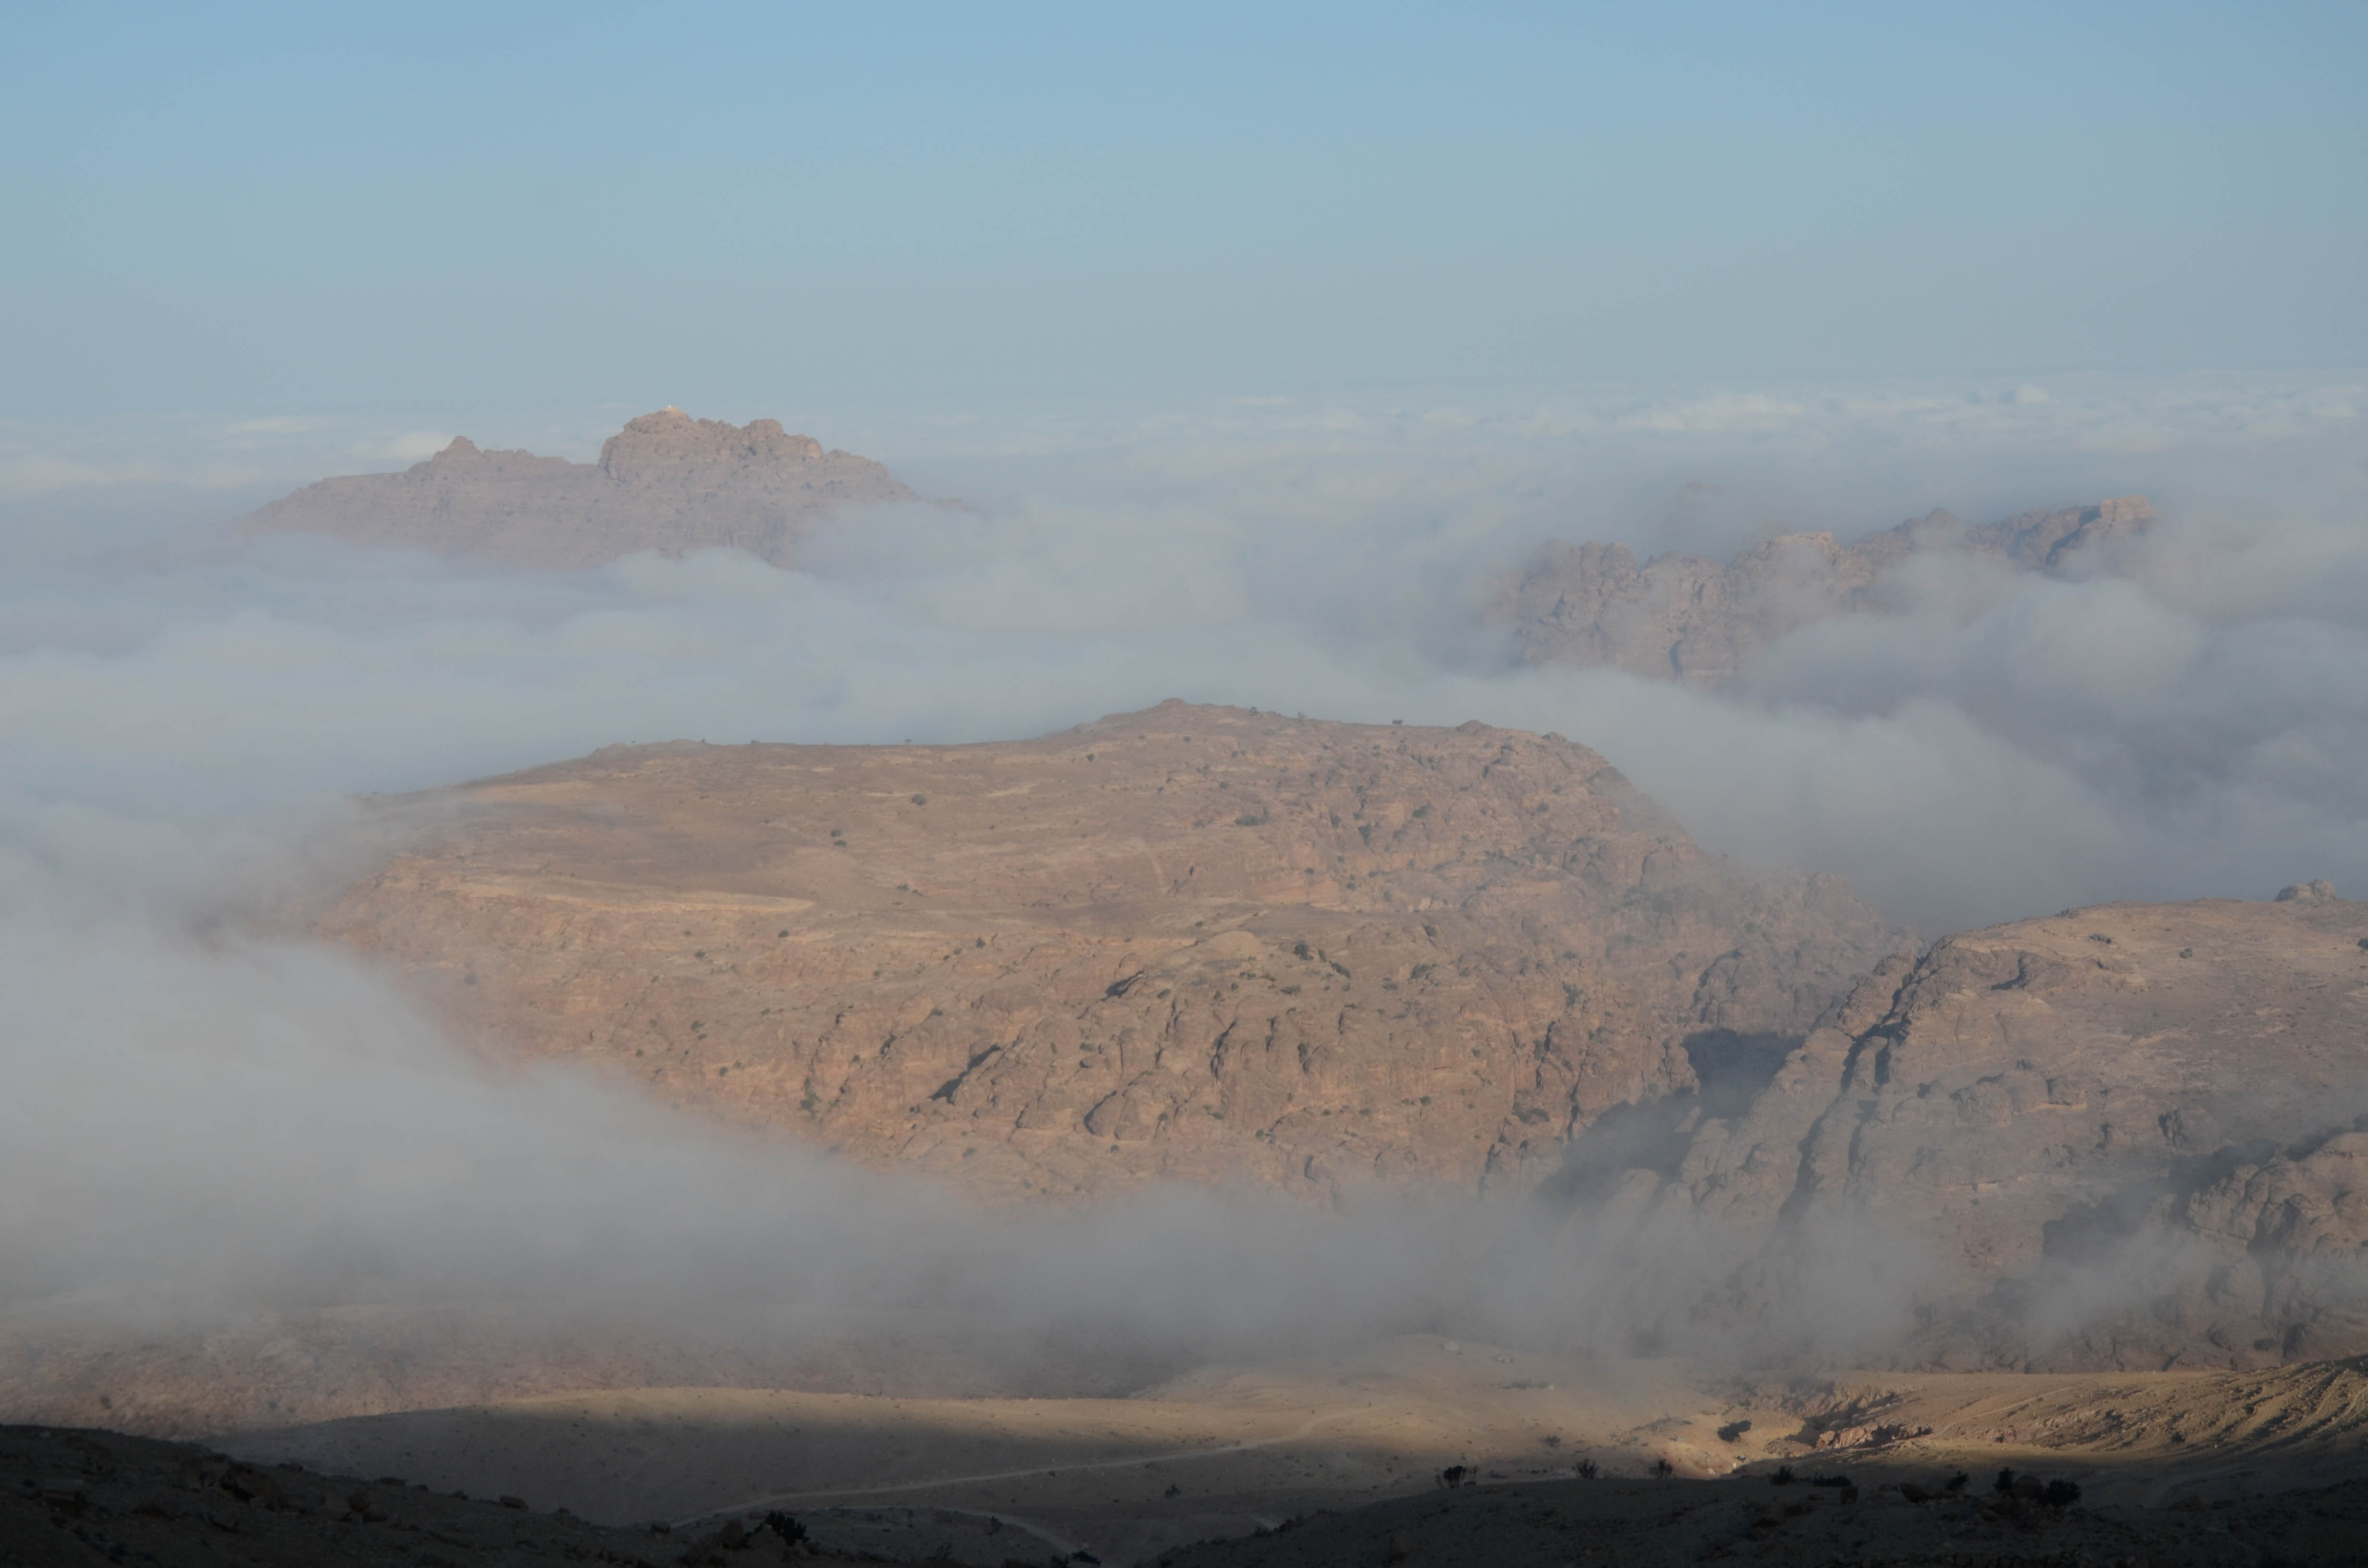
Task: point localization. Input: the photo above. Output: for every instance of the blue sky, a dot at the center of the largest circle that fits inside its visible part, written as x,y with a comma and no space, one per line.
250,208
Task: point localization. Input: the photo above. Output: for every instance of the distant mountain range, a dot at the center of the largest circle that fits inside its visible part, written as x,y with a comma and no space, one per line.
1693,620
665,482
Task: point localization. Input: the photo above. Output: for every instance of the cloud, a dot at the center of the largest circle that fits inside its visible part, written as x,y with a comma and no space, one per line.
1717,414
215,1135
206,1116
411,447
1988,748
276,425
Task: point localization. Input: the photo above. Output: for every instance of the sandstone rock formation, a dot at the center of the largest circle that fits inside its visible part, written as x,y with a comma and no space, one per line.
1689,617
665,482
1190,943
2131,1133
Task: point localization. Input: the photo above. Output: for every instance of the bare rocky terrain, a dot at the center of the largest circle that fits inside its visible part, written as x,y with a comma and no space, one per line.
2131,1135
70,1498
1690,618
1194,944
665,482
1223,948
1411,1450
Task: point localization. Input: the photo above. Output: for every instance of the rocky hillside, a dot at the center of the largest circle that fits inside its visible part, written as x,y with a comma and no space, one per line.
1694,620
1192,943
665,482
2132,1133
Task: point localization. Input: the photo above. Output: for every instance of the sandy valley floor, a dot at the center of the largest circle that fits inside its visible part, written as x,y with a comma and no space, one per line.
1227,1452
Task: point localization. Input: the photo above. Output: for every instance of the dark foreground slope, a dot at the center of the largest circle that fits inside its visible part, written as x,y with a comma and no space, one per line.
1632,1524
70,1498
83,1499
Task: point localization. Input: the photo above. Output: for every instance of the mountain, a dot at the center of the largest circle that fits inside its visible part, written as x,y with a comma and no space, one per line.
665,482
2131,1135
1693,620
1192,943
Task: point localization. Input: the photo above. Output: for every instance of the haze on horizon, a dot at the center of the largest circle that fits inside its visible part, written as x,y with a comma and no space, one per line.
278,212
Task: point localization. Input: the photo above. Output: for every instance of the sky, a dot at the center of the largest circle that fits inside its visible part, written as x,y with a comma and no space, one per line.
275,211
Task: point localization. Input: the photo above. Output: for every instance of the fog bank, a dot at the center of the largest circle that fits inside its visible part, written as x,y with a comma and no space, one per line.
206,1122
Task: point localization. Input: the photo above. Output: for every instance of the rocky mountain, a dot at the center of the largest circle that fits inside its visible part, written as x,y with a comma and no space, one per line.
665,482
1690,618
1203,944
2133,1135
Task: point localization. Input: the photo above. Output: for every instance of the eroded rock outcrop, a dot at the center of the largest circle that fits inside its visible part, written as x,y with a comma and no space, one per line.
2130,1135
1700,621
665,482
1191,943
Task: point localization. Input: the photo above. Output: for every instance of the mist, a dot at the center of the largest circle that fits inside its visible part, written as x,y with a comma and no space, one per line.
211,1119
217,1142
1986,749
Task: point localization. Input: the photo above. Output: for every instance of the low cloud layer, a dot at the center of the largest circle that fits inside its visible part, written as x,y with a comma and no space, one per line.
1989,749
200,1114
208,1132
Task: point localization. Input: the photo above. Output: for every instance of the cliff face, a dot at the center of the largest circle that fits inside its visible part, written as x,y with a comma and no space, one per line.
1694,620
665,482
2131,1133
1192,943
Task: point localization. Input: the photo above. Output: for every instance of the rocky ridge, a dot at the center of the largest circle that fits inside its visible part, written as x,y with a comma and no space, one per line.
1700,622
1195,944
2131,1135
665,482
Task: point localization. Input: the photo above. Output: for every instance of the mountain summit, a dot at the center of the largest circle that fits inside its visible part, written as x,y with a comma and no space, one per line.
666,481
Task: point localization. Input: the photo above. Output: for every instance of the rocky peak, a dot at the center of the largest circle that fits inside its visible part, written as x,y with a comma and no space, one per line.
1703,621
2045,541
662,445
666,482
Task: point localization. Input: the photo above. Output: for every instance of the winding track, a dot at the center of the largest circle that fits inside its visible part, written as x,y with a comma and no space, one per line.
840,1495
